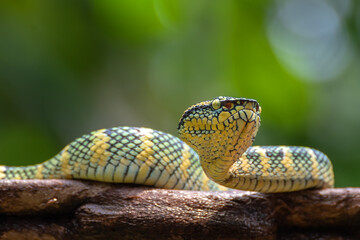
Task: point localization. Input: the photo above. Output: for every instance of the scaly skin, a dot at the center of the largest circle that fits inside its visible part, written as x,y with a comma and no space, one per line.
220,131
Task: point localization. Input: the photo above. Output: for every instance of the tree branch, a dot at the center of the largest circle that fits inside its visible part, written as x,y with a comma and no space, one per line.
70,209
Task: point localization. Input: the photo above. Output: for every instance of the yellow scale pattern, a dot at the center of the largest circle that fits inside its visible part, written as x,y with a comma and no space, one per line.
214,153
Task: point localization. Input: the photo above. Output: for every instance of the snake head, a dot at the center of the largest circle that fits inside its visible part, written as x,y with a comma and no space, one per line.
224,121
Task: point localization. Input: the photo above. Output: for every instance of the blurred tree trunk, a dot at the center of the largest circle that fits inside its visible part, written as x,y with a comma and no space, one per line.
69,209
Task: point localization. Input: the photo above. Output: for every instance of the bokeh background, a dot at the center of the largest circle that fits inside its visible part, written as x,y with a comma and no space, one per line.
69,67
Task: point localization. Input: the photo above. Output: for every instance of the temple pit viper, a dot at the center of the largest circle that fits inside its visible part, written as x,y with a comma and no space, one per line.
214,153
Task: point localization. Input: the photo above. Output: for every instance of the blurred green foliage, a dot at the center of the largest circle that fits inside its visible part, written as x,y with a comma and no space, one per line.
67,68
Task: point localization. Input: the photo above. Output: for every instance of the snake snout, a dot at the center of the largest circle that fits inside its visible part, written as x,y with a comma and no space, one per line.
252,105
247,110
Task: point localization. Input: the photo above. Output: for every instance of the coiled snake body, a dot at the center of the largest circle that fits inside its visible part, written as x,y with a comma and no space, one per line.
214,154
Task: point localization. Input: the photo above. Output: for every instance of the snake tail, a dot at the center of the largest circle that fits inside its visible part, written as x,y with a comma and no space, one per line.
28,172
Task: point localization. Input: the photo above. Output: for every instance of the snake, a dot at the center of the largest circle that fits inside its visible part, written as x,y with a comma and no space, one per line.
213,152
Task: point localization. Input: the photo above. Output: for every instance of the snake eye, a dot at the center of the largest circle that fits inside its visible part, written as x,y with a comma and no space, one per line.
216,104
228,105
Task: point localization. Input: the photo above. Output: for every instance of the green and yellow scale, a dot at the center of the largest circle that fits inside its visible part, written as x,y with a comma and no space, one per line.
213,153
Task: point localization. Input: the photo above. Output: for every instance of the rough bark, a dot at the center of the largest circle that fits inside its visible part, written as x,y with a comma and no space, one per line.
69,209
